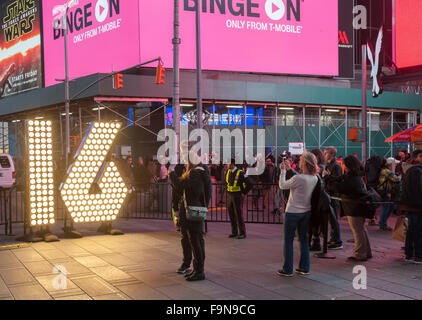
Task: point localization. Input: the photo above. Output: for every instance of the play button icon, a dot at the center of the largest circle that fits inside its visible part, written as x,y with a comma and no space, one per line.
275,9
101,10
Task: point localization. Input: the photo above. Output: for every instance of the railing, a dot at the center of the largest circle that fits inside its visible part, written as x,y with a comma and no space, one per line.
258,206
154,202
265,204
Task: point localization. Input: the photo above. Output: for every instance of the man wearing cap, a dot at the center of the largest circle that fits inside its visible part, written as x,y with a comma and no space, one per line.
237,186
412,206
387,189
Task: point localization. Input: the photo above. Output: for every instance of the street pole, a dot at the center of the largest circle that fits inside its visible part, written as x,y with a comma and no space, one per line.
176,79
364,105
67,100
198,65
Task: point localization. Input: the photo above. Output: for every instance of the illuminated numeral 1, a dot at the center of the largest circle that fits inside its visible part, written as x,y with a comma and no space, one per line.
41,182
85,202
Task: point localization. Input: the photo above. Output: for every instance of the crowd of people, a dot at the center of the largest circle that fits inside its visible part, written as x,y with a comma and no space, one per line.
320,189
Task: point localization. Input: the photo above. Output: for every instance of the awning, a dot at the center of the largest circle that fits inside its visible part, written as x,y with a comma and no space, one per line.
413,134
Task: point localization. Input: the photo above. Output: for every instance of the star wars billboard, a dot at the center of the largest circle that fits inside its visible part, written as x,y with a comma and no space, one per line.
20,46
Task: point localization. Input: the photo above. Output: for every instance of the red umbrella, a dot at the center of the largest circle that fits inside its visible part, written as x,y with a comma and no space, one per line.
413,134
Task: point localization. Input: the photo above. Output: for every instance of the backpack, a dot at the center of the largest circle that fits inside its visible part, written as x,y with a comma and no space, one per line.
373,171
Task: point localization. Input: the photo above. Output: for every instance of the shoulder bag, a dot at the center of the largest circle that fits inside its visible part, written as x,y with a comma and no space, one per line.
194,213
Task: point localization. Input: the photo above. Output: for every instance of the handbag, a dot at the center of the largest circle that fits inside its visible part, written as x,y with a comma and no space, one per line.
194,213
399,231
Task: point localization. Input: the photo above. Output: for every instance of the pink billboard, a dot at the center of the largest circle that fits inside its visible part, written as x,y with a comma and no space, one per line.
263,36
103,36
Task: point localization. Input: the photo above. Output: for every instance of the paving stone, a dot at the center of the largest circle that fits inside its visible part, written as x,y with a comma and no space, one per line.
113,296
117,260
74,297
353,297
181,292
142,292
57,284
30,292
111,273
8,259
53,254
4,291
94,286
71,266
153,278
74,251
16,276
39,267
96,249
28,255
91,261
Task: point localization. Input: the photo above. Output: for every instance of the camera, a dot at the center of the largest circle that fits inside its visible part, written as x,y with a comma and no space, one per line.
283,156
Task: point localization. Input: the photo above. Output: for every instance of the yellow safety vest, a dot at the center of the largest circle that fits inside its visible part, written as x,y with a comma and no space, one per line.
234,187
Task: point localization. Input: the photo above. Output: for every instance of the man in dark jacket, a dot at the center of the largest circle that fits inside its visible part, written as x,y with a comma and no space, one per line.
412,206
333,170
237,185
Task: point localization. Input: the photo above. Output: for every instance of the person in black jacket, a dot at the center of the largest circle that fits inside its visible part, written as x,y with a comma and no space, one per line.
194,187
412,206
333,170
316,223
353,193
177,195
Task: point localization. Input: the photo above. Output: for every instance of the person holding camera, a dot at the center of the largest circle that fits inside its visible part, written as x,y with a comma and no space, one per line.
298,212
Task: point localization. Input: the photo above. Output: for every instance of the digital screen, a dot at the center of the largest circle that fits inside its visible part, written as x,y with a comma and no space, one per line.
408,33
263,36
102,37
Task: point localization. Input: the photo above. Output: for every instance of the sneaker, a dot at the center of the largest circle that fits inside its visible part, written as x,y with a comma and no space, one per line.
196,277
284,274
233,235
417,261
335,246
190,273
183,269
386,229
409,259
241,236
372,223
302,272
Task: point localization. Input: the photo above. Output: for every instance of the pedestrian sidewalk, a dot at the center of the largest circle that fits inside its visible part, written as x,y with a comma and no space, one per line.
141,264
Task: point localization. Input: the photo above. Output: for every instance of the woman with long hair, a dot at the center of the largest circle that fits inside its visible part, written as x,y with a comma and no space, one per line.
298,212
353,193
194,188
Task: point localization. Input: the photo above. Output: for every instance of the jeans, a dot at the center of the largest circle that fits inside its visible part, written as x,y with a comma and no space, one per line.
278,198
386,210
335,226
299,221
413,247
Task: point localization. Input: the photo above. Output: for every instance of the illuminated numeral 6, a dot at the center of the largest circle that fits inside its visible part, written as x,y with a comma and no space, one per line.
94,190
